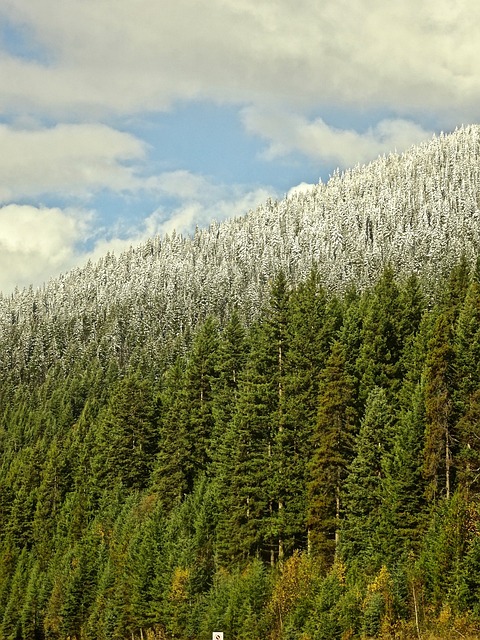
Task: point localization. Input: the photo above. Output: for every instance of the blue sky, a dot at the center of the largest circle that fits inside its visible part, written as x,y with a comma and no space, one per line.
121,119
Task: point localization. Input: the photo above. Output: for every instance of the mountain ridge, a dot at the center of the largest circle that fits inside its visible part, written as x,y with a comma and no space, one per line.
418,211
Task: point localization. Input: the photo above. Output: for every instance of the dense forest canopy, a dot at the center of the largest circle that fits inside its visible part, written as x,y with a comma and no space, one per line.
271,428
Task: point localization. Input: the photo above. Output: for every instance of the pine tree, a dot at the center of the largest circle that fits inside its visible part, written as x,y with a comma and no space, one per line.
246,477
11,623
403,487
438,410
363,530
467,389
79,587
128,434
201,375
169,477
232,355
33,604
382,339
332,450
313,324
187,423
256,487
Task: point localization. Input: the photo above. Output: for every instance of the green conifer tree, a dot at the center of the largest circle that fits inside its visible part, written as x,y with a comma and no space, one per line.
313,323
379,362
187,422
256,488
466,399
438,467
127,438
361,539
332,451
403,487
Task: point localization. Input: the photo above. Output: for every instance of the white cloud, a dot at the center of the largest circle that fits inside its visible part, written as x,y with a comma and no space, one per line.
287,133
185,185
104,55
69,159
38,242
301,188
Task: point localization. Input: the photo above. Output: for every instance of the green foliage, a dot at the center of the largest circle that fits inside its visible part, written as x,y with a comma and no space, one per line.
365,529
236,603
311,475
127,437
332,451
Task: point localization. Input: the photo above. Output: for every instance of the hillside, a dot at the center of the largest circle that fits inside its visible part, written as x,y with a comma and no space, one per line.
418,211
269,429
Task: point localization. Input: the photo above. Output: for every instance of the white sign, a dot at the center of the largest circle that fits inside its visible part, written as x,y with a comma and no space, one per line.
217,635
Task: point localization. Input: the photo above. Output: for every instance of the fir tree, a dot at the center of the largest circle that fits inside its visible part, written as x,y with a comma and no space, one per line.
332,451
403,488
438,410
363,530
128,434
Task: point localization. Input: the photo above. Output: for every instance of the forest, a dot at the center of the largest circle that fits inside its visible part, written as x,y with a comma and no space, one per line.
269,429
313,475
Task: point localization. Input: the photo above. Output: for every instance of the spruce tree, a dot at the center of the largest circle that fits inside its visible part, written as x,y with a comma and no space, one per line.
314,321
362,534
187,422
169,476
232,355
332,446
382,337
466,397
403,486
438,465
128,435
246,482
257,488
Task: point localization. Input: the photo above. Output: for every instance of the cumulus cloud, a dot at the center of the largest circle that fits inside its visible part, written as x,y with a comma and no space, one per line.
74,159
37,242
288,133
103,56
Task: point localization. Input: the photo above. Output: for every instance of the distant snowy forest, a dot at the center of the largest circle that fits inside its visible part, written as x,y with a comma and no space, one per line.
418,211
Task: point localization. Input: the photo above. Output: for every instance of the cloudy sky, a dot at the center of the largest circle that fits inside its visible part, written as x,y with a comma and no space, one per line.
120,119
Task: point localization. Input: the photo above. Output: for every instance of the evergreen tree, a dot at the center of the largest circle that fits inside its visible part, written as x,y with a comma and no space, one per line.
33,605
362,535
313,324
128,434
245,506
403,494
438,410
332,450
232,355
382,337
79,585
257,491
467,388
201,374
11,627
187,423
169,477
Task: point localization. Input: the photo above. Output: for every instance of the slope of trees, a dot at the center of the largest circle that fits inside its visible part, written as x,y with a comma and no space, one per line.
261,482
270,428
418,211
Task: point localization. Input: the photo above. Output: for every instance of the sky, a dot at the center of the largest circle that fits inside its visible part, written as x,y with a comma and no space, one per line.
122,119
